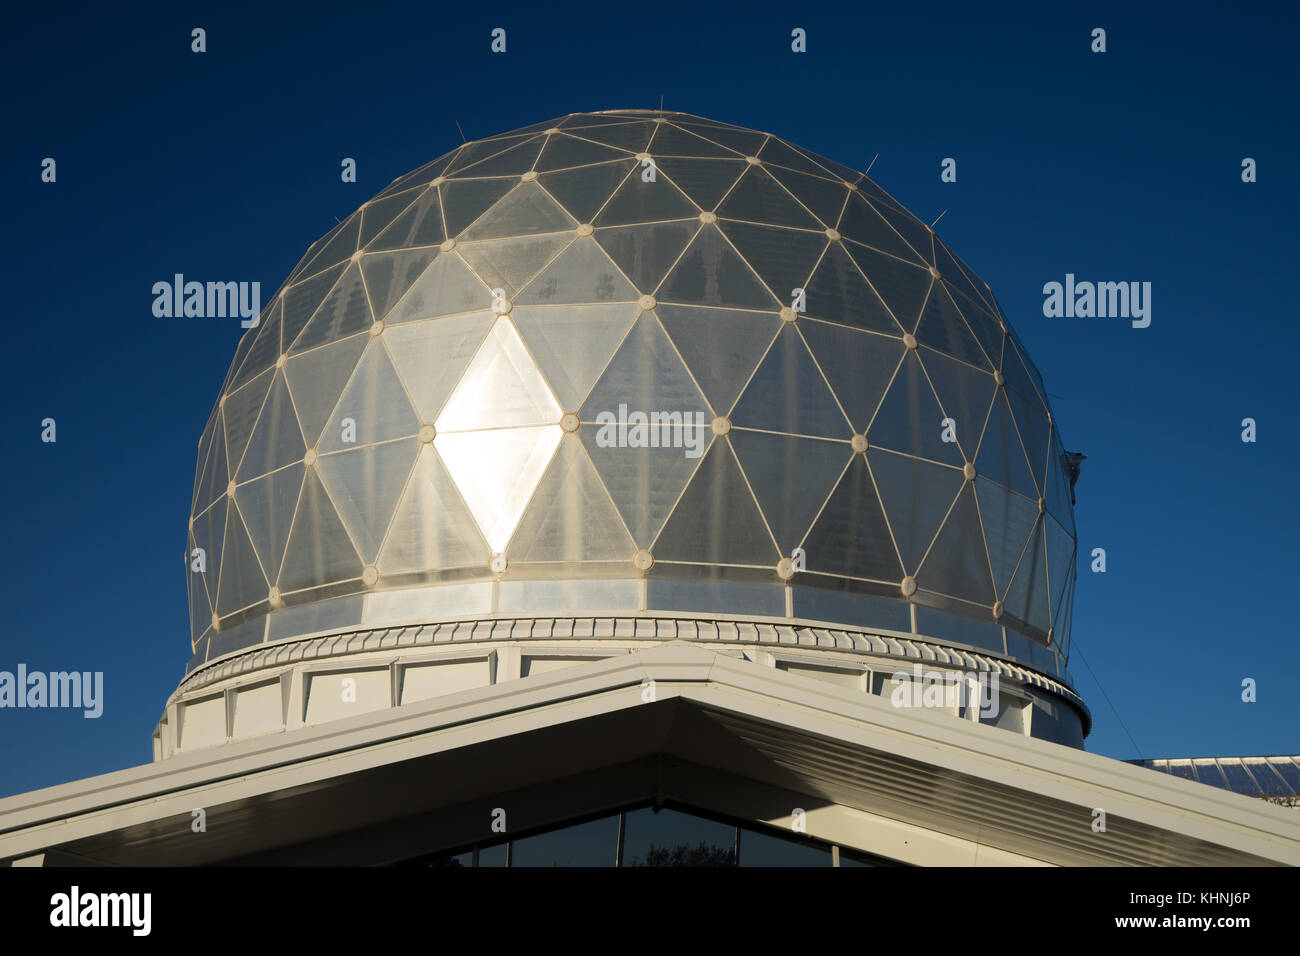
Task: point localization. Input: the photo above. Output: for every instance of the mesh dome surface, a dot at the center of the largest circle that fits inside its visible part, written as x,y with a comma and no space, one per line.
422,404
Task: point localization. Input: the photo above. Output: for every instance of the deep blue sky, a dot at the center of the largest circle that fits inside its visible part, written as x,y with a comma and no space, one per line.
225,165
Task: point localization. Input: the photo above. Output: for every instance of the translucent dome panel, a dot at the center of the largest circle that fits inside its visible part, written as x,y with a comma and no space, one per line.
635,344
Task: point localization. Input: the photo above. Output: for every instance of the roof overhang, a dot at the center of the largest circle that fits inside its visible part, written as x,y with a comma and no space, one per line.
712,731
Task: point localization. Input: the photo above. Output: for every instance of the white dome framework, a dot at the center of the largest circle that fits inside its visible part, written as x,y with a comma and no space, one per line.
417,432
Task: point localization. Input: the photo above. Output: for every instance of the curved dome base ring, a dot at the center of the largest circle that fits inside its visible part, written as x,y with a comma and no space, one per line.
300,682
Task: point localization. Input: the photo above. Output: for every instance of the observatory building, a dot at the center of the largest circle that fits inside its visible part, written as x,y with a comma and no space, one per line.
629,471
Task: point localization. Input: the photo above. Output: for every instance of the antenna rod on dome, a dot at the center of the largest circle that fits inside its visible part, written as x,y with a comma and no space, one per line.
873,162
461,131
1072,461
661,102
941,215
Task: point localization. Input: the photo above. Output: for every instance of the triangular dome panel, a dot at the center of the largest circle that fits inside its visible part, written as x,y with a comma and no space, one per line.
721,347
711,273
374,403
319,548
957,563
791,477
788,394
573,345
916,496
851,536
717,520
431,529
571,516
365,485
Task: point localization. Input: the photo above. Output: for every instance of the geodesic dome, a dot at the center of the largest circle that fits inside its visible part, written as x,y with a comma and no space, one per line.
419,428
